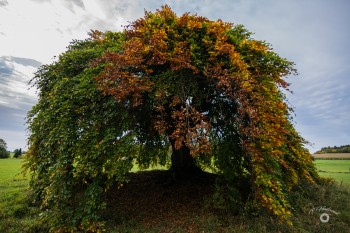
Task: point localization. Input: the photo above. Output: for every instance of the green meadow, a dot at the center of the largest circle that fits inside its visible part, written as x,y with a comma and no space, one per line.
12,183
17,214
336,169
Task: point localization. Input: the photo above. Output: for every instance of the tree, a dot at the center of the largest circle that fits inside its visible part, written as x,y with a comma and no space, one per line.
4,154
73,153
204,91
17,153
335,149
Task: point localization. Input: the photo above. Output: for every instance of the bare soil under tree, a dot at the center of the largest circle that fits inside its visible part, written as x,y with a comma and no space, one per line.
149,199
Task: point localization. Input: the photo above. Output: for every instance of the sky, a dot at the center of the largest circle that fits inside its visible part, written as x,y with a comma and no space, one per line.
314,34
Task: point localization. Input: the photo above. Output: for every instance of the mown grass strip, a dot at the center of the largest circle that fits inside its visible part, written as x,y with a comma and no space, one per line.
336,169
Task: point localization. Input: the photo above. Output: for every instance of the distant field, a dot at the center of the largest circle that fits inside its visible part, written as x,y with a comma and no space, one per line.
337,169
332,156
10,171
15,214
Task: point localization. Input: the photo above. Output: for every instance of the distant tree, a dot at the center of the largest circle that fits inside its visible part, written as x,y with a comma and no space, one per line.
334,149
3,150
17,153
202,90
2,143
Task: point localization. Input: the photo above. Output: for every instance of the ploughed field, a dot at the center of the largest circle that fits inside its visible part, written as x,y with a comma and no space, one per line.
332,156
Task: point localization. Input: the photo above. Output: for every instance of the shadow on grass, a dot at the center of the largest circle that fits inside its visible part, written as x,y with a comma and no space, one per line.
150,203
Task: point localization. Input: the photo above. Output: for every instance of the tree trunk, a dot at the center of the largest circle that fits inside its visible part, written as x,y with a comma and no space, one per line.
182,163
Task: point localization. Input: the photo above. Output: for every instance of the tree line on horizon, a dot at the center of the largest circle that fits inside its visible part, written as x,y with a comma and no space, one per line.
3,149
334,149
4,153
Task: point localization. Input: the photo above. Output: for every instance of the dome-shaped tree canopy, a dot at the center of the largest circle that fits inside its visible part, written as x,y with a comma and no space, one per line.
203,91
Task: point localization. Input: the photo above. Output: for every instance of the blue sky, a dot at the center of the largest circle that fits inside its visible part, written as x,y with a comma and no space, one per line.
315,34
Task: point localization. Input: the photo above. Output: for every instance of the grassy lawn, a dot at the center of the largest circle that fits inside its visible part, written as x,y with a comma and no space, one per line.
12,183
15,213
145,206
337,169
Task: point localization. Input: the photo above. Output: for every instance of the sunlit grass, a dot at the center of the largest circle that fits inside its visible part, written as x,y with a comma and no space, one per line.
16,215
336,169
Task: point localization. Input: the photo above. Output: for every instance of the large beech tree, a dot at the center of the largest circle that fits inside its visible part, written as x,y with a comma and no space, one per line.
204,92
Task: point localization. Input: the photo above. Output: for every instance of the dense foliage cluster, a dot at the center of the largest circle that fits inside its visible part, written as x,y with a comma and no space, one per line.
4,154
17,153
73,151
334,149
166,83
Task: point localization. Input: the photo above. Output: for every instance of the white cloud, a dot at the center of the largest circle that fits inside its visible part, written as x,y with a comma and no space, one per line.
43,29
3,3
14,92
14,139
15,98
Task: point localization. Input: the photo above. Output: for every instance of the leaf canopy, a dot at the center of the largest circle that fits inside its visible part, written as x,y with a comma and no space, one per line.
120,98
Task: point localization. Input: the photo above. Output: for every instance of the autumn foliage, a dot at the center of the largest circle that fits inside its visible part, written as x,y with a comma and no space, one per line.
181,82
205,67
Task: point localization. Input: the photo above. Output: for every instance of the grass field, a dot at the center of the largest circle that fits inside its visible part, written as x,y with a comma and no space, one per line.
178,208
12,182
16,214
337,169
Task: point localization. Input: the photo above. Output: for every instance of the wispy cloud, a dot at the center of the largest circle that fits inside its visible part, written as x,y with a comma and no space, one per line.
3,3
15,74
71,5
15,98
